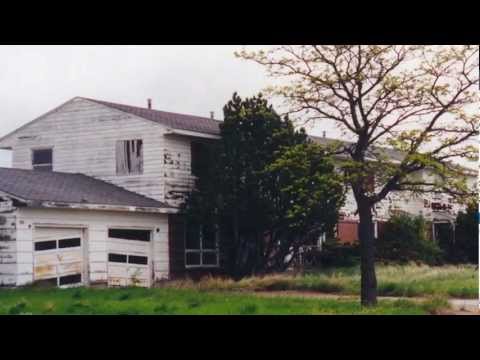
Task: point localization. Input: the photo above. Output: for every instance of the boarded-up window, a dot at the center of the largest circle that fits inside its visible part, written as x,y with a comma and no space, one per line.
42,160
129,155
347,231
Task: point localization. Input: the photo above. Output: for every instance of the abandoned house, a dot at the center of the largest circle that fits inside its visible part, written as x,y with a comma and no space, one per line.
94,191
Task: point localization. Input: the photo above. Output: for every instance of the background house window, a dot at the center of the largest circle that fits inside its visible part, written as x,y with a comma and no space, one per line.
42,160
201,247
129,155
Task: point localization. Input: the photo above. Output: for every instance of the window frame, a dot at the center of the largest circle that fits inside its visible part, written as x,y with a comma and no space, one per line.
142,154
35,166
201,250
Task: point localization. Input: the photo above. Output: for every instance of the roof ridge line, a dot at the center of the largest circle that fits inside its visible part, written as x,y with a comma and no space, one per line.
104,102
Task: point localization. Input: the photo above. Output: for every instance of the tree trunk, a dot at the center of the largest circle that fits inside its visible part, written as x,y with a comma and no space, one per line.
367,250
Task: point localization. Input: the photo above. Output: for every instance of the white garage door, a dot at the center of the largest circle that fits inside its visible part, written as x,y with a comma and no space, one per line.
58,256
129,260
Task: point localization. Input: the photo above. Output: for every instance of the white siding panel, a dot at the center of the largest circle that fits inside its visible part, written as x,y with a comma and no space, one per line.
83,136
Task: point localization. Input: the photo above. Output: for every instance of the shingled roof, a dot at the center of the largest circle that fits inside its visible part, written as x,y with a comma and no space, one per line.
55,187
172,120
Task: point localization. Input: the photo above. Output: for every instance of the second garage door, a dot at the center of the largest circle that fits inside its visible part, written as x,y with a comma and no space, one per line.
129,259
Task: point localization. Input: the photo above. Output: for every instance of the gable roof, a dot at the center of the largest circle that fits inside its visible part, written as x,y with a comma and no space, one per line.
172,120
37,187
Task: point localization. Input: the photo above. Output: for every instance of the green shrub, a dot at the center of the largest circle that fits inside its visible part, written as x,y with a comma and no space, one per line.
334,254
465,247
404,239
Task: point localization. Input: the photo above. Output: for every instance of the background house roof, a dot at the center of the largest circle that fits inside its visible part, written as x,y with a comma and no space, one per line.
377,151
173,120
38,186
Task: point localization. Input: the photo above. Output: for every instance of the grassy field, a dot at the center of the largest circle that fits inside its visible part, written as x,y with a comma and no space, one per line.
169,301
393,280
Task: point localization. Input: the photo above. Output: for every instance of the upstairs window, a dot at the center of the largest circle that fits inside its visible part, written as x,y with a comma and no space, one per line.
200,157
42,160
129,155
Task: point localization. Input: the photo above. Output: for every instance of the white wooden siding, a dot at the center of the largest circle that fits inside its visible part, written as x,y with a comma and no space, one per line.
8,245
96,225
83,135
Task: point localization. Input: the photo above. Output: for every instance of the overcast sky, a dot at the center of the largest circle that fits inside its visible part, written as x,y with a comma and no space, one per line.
184,79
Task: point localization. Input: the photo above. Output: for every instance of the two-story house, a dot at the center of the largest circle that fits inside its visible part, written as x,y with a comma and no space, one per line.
90,194
94,191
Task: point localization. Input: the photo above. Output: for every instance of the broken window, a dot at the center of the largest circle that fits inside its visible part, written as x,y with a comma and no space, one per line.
118,258
129,234
129,155
141,260
70,279
42,159
45,245
68,243
201,246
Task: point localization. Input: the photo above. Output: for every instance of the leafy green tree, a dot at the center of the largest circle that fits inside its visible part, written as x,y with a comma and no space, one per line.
268,191
466,235
420,100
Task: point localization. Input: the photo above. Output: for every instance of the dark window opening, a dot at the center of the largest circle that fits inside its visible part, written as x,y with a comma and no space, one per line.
70,279
192,237
46,282
118,258
201,247
42,160
129,234
129,156
67,243
209,258
209,237
200,157
193,259
45,245
142,260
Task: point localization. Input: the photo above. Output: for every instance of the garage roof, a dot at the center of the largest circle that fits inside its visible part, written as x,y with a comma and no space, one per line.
39,187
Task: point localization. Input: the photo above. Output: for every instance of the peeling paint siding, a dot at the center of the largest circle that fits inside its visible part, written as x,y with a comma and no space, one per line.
405,201
83,135
8,248
177,173
97,224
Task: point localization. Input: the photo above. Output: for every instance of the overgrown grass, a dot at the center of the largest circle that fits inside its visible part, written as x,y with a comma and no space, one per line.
393,280
168,301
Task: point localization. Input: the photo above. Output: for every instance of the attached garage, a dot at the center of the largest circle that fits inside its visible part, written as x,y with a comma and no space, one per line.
71,230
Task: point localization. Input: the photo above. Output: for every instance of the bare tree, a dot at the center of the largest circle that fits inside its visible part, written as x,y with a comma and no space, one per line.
420,100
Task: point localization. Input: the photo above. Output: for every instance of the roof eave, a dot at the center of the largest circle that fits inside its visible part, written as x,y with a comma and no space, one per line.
189,133
100,207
